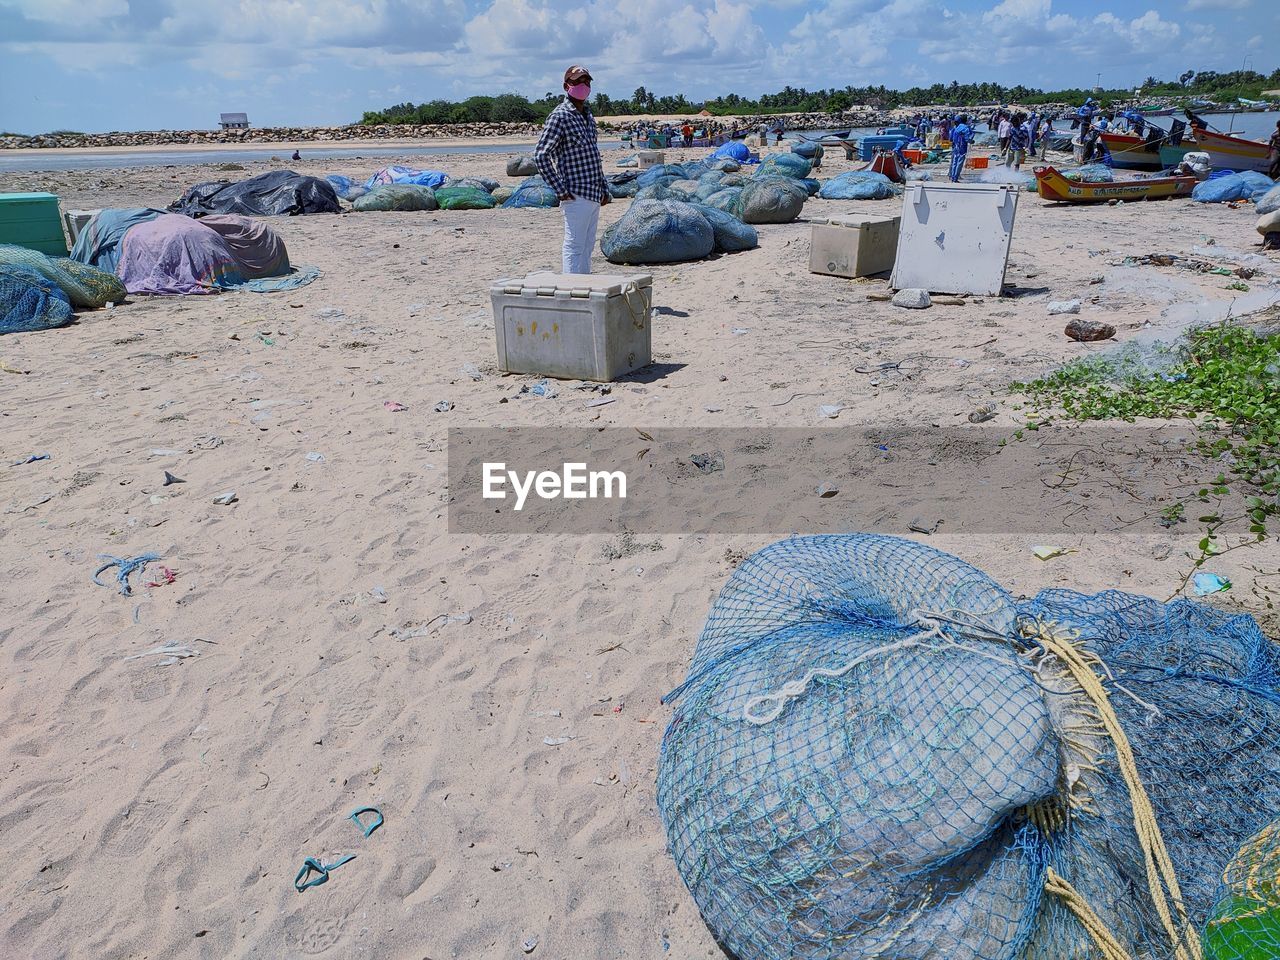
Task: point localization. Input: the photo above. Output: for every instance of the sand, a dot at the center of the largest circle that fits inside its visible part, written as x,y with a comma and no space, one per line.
161,810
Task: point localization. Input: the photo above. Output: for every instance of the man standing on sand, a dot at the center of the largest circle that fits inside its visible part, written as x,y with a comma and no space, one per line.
568,157
1273,155
960,137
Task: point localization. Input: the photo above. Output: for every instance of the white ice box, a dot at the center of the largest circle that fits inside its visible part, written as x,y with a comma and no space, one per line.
955,237
77,220
651,158
852,246
573,326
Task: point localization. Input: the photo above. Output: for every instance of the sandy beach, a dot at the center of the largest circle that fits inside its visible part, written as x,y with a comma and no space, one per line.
496,697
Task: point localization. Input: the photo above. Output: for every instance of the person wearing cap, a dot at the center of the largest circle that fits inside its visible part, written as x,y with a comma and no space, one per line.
568,157
961,134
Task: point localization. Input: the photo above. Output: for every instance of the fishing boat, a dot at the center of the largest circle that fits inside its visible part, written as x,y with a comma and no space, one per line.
1231,153
1052,185
1171,156
1132,152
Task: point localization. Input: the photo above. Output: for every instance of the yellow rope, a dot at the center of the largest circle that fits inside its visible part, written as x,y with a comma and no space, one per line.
1057,885
1160,873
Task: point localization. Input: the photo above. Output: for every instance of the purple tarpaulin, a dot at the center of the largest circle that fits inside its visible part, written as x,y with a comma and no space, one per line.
173,254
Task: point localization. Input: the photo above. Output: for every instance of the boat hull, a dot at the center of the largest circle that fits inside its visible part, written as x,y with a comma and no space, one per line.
1052,185
1172,156
1130,152
1232,153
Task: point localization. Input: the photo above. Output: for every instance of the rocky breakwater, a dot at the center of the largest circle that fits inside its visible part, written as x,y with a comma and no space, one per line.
267,135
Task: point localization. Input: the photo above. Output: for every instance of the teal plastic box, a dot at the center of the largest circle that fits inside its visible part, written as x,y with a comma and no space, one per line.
32,220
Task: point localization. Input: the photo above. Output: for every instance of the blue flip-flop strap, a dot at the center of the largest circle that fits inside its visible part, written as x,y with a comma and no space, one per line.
373,825
312,865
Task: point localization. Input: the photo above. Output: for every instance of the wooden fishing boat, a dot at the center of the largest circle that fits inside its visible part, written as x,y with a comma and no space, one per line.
1132,152
1171,156
1231,153
1052,185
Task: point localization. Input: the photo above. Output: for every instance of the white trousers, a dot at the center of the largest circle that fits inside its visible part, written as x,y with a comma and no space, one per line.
580,219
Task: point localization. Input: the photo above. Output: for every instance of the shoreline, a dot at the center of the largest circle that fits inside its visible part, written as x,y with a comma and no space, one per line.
221,146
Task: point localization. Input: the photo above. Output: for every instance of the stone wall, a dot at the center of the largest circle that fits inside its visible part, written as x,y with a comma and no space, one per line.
358,132
268,135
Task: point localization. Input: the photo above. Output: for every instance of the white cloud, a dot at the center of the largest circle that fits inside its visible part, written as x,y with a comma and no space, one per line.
71,11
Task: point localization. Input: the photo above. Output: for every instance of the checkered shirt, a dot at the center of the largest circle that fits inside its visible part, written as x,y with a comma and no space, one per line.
567,155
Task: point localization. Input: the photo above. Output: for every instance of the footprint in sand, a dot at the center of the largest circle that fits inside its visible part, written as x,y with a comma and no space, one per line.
315,936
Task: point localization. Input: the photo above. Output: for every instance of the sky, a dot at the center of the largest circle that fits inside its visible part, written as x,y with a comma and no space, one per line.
99,65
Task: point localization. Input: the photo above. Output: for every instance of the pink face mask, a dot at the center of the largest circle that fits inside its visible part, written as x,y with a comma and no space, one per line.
580,91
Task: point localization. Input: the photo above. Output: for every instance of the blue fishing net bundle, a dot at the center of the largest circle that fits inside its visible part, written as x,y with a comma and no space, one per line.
30,301
673,231
878,752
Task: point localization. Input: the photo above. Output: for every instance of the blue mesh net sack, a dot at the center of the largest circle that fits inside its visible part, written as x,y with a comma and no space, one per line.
396,196
731,234
857,185
879,753
805,148
684,189
725,199
724,164
532,195
86,287
785,165
706,191
671,171
658,231
464,198
810,184
655,191
770,200
29,301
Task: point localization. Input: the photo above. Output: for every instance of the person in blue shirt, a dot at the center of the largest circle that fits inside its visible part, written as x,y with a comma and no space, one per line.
1084,117
1019,138
961,135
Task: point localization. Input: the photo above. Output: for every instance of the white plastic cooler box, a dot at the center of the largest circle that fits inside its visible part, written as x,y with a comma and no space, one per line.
574,326
955,237
853,246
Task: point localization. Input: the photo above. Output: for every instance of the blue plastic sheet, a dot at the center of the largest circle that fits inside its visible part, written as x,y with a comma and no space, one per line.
1233,187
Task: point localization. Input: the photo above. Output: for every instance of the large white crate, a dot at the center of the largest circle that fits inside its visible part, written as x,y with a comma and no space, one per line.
573,326
955,237
650,158
853,246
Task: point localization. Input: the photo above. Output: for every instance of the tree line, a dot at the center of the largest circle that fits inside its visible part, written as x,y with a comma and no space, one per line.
514,108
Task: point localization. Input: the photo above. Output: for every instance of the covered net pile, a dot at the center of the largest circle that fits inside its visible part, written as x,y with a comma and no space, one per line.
879,753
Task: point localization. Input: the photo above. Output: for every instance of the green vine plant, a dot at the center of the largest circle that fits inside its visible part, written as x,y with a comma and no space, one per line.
1226,380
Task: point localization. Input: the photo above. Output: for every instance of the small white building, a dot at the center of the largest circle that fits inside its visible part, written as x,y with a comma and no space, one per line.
234,121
